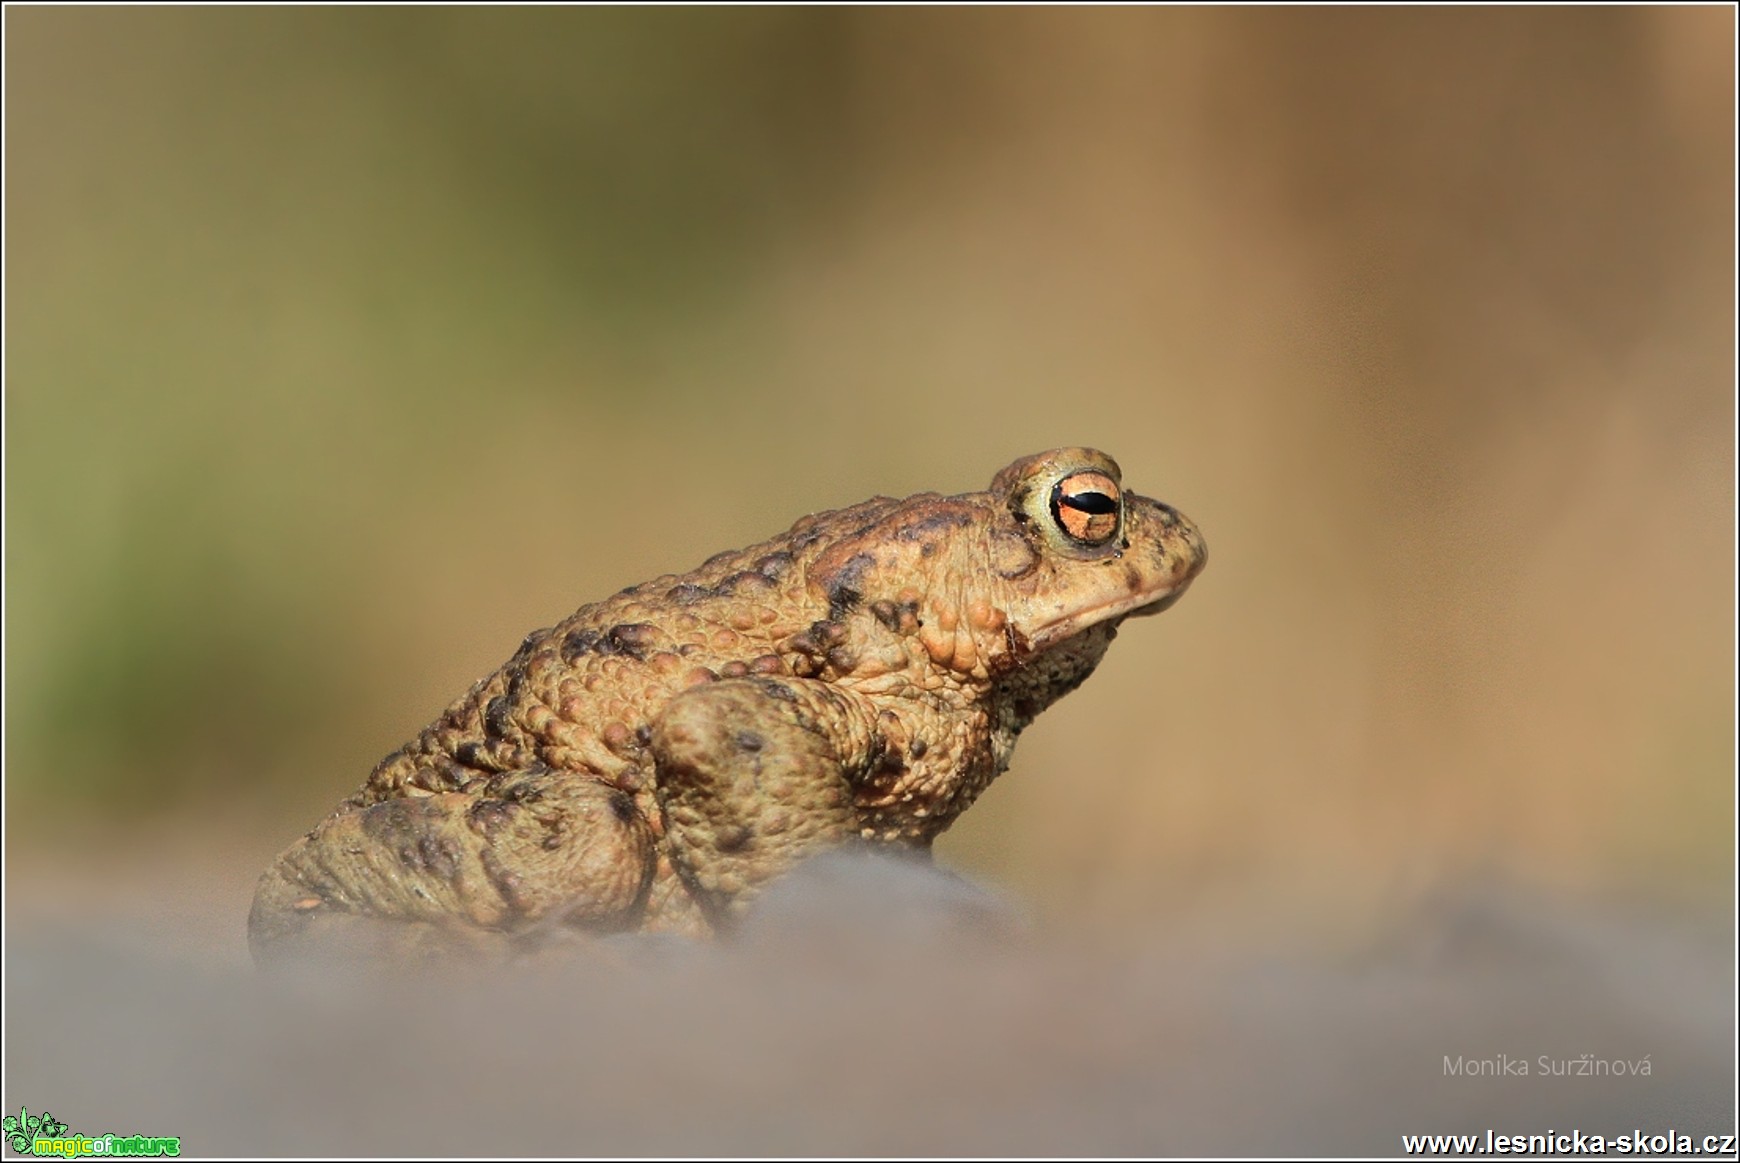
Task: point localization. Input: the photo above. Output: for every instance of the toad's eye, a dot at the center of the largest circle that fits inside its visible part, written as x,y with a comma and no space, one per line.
1085,506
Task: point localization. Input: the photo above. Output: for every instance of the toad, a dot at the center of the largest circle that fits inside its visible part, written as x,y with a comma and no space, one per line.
653,761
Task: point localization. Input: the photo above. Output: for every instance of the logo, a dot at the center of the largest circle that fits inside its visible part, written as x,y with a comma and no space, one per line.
23,1127
44,1134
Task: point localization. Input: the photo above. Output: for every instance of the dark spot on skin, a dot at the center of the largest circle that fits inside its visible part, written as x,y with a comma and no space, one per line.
842,600
408,828
851,571
1132,577
743,579
814,645
886,613
438,857
842,660
688,594
735,838
774,565
578,642
495,717
928,549
521,787
643,735
767,664
630,591
631,638
805,539
390,821
846,584
734,670
919,747
487,816
943,521
779,691
750,741
622,807
471,754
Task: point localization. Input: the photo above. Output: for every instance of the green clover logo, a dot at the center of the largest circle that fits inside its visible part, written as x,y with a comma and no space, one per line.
14,1127
23,1128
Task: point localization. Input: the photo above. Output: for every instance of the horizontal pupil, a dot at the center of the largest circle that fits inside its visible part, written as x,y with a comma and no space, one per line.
1090,502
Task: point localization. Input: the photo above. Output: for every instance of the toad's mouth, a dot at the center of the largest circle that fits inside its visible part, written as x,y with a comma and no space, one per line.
1138,605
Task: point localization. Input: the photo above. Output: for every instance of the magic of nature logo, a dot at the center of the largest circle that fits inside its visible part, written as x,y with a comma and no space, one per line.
44,1134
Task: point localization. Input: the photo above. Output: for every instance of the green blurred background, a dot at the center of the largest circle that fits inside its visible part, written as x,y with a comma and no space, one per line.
345,346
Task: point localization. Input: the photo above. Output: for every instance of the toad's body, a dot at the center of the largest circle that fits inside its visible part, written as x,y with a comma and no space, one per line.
652,761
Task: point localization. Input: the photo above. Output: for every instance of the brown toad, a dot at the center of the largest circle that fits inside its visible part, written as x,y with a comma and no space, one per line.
654,760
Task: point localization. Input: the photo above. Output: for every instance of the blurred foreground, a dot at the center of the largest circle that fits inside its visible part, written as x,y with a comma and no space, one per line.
875,1008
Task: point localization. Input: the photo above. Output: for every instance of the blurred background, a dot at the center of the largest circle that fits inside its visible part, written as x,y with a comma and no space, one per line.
345,346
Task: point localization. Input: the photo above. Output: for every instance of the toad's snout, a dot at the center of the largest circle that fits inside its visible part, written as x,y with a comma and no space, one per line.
1175,539
1175,547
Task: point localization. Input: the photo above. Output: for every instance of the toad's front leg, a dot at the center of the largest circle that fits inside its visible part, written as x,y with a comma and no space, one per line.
754,775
